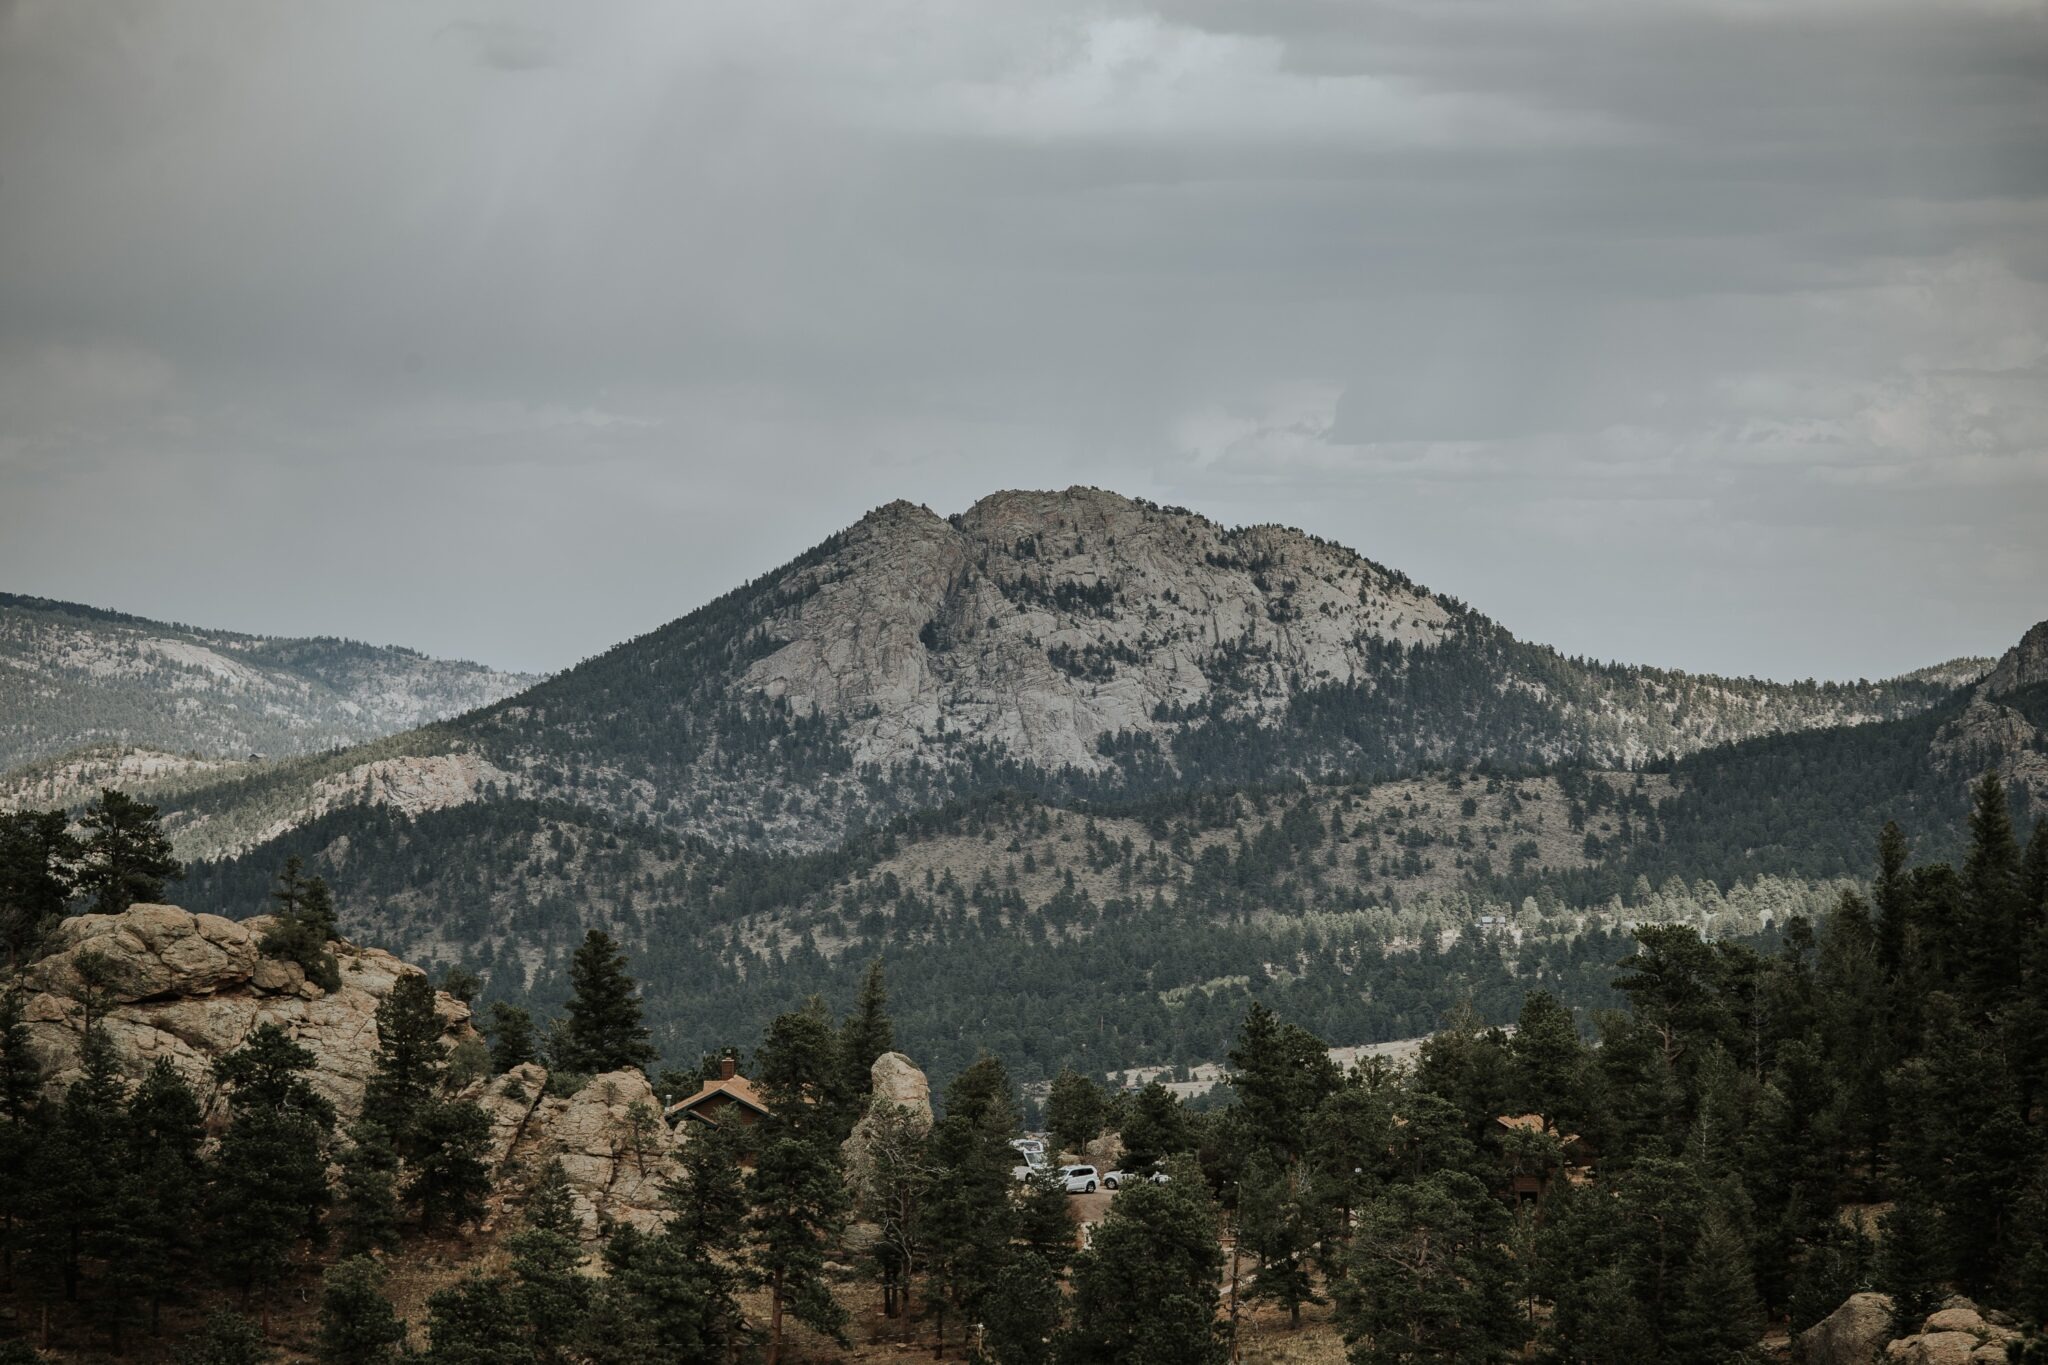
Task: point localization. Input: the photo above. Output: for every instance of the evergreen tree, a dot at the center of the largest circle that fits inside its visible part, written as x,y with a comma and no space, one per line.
411,1059
1045,1226
1995,887
1075,1111
1429,1275
1145,1291
270,1173
1280,1072
1720,1318
126,858
550,1294
302,924
446,1175
74,1201
228,1338
1155,1127
866,1035
367,1211
471,1323
163,1188
357,1324
968,1212
37,855
602,1031
1023,1313
797,1194
1275,1225
512,1038
1910,1263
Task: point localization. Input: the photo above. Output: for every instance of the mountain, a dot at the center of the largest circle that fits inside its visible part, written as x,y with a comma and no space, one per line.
150,700
1095,772
1075,644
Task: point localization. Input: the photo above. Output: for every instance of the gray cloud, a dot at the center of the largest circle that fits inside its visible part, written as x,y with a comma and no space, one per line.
1706,332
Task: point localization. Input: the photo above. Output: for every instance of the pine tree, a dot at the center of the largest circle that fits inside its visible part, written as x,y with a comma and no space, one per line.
1720,1317
37,854
1910,1262
1155,1127
1995,886
1429,1275
968,1212
1145,1291
164,1188
270,1174
228,1338
411,1059
1280,1072
366,1212
1075,1111
446,1175
1023,1313
302,925
471,1323
357,1324
866,1035
127,859
512,1038
602,1031
1045,1225
797,1193
550,1294
1274,1225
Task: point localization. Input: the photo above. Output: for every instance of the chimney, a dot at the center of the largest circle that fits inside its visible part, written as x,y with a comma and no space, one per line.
725,1065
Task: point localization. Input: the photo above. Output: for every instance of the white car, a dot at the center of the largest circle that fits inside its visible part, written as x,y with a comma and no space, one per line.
1079,1179
1116,1178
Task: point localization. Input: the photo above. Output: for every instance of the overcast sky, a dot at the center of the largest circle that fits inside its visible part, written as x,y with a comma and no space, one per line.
1711,334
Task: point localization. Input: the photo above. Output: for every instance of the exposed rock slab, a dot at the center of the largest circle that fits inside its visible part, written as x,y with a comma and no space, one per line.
191,988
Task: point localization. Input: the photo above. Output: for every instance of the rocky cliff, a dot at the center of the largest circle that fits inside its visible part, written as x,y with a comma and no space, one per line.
2001,727
191,988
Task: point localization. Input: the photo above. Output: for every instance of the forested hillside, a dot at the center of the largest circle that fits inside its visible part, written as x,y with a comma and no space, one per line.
1074,645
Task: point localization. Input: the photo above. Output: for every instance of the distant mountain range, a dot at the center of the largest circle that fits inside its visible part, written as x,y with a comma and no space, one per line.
92,694
1092,770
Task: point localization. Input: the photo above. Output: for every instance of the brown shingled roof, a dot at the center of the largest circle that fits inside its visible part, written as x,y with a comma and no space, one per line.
731,1084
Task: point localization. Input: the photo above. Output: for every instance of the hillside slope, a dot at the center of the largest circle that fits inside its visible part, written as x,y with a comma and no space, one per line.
78,678
1075,644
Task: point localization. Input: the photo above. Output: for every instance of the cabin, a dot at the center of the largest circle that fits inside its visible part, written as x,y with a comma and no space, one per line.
730,1098
1535,1156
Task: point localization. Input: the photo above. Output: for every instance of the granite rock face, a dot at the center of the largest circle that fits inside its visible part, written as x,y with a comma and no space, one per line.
191,988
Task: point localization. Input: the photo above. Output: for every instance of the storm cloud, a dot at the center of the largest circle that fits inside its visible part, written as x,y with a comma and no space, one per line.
1710,333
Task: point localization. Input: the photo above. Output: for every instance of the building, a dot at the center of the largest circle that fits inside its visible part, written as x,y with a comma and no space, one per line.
731,1098
1535,1155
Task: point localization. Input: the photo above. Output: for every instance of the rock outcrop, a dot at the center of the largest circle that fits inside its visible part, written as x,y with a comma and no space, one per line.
608,1135
1990,733
896,1080
1851,1335
1958,1333
191,988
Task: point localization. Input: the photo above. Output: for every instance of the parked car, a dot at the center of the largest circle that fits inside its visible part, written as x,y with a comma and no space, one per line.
1033,1152
1080,1179
1116,1178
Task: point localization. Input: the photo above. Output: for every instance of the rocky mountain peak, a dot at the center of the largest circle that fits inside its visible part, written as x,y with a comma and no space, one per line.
2024,665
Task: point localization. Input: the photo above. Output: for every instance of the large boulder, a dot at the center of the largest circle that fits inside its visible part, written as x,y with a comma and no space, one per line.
609,1137
1851,1335
191,988
1942,1348
896,1080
